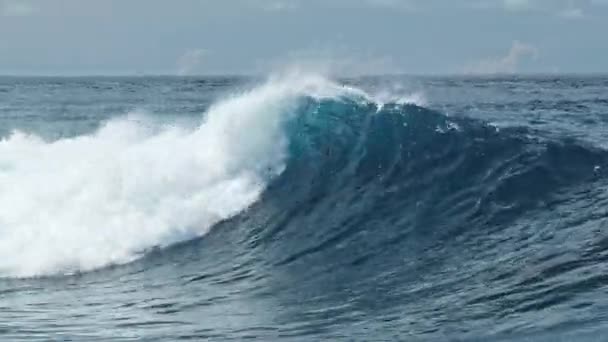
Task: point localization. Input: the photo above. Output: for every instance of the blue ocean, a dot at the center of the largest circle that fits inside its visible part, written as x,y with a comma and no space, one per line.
298,207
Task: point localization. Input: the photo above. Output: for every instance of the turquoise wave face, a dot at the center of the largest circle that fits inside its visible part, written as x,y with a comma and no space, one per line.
385,215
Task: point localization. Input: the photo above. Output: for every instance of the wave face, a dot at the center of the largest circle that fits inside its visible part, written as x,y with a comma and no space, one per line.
304,209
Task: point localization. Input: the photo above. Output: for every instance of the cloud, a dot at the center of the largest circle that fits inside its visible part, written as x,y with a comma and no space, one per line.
15,8
518,5
334,61
276,5
565,9
507,64
191,62
571,13
392,4
568,9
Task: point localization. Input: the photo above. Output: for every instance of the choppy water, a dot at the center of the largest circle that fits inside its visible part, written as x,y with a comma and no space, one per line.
302,209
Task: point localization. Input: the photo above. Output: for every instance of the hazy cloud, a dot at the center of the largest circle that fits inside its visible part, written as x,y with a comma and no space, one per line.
567,9
394,4
276,5
507,64
571,13
517,5
191,62
15,8
334,61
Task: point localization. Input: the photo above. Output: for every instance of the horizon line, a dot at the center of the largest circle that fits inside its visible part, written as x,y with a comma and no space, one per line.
254,75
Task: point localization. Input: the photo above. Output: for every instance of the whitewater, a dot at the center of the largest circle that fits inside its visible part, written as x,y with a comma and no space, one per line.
80,203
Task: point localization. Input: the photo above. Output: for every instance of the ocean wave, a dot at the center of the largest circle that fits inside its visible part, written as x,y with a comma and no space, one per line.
317,162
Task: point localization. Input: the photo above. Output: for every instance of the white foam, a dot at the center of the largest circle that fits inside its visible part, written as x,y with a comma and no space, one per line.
86,202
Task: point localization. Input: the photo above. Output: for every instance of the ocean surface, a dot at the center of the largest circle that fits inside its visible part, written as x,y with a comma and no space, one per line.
299,208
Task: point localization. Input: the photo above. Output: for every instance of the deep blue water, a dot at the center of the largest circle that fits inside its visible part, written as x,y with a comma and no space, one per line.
370,209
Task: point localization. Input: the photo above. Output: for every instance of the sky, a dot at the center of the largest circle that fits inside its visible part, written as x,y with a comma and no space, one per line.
211,37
